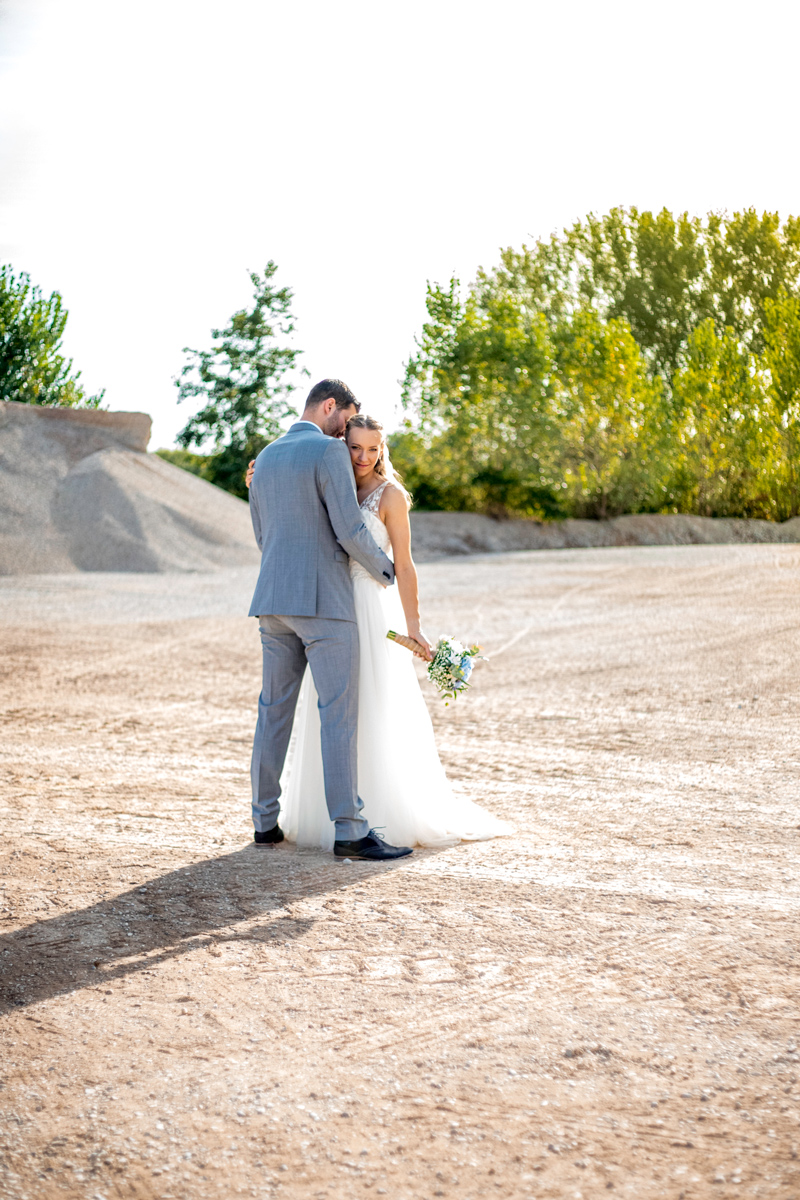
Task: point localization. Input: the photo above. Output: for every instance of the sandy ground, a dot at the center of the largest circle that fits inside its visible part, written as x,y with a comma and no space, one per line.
605,1004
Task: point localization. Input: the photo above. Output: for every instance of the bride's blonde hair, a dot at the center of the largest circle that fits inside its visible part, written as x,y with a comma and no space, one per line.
383,465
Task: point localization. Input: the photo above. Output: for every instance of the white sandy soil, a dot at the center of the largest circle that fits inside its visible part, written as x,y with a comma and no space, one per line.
606,1004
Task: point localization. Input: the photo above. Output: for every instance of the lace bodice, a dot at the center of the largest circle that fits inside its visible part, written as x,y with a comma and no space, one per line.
372,503
369,509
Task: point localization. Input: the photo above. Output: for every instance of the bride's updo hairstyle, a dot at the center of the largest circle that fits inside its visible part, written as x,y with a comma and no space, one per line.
383,465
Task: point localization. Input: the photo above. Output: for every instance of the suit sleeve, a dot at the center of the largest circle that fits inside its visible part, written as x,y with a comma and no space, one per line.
255,513
339,498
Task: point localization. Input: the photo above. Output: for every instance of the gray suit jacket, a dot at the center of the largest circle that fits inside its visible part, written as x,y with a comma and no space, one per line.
306,516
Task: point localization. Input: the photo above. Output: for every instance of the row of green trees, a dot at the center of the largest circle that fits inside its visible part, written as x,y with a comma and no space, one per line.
635,362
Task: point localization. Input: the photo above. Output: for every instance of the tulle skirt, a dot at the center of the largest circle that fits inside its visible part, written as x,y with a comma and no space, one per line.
400,778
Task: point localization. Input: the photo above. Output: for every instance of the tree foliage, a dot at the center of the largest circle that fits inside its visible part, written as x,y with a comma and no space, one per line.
663,274
635,362
33,369
609,417
195,464
726,449
781,358
242,384
479,382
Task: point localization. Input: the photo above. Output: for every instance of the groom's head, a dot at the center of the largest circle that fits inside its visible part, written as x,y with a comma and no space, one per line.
331,404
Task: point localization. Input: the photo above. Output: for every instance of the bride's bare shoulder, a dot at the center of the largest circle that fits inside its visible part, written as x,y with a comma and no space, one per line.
393,498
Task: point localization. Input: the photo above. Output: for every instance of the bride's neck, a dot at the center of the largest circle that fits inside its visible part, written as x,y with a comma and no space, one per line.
368,482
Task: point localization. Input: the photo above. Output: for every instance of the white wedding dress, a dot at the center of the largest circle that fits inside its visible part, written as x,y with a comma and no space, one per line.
400,778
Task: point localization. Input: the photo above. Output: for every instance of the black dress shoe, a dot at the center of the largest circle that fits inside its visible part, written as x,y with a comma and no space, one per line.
270,838
372,847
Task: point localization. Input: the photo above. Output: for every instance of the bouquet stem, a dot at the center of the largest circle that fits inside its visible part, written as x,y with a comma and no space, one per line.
403,640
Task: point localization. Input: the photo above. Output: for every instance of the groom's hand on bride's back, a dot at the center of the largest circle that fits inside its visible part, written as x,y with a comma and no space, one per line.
251,466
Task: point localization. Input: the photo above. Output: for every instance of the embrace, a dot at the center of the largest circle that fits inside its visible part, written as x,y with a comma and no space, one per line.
357,753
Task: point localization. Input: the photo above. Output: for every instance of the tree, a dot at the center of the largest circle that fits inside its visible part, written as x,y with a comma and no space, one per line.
752,259
33,369
634,362
610,416
476,392
781,359
242,381
663,274
647,269
510,413
195,464
727,451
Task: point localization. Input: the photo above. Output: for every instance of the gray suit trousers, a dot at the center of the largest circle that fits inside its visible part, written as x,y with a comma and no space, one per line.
331,649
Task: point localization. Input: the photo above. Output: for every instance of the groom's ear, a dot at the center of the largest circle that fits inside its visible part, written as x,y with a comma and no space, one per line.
328,405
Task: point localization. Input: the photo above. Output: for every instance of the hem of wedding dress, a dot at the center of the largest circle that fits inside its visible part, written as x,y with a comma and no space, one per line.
444,843
488,837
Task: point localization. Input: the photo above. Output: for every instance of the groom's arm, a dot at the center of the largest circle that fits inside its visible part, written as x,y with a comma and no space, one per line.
339,498
255,514
255,477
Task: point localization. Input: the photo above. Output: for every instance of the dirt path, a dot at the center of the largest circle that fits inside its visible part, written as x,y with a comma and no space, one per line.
605,1004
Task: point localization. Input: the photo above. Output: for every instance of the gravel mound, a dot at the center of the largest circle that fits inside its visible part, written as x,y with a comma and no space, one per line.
440,535
78,492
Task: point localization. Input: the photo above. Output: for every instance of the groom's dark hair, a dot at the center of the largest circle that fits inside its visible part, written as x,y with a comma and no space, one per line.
332,387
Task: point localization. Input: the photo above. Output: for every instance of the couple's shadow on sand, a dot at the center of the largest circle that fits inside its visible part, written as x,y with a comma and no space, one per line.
191,908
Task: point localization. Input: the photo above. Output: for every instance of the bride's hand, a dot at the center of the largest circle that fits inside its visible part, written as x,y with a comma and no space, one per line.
251,466
419,636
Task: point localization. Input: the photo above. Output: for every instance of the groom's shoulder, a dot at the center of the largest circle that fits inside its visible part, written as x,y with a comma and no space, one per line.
335,455
298,448
320,449
296,441
331,447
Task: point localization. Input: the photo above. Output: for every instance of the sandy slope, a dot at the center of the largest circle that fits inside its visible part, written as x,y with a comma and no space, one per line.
79,493
607,1004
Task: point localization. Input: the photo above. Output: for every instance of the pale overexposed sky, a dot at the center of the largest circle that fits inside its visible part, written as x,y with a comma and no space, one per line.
151,153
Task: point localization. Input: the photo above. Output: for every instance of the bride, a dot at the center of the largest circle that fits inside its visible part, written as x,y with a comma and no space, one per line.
400,778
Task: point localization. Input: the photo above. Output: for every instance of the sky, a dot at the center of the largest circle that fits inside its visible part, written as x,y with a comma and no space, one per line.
151,154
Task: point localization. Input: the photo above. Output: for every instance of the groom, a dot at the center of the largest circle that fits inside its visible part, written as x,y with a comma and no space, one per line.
307,520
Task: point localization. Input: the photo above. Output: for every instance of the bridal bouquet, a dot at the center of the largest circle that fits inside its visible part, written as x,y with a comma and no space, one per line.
451,666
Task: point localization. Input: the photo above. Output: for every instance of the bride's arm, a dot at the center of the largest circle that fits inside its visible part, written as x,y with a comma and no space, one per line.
394,512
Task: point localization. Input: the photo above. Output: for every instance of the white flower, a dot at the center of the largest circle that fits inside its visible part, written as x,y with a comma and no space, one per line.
457,651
